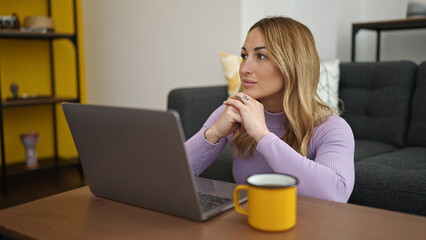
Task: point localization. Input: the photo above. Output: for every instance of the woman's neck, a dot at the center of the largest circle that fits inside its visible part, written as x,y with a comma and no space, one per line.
273,104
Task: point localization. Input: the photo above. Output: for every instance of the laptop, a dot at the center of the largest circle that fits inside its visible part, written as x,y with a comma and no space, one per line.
137,157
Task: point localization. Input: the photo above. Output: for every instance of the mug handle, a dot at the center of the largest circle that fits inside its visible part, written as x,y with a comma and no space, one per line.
237,205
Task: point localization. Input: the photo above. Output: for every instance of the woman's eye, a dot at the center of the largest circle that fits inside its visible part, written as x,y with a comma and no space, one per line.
243,56
261,56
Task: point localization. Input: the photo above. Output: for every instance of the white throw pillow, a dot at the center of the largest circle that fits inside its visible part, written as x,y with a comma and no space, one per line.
328,86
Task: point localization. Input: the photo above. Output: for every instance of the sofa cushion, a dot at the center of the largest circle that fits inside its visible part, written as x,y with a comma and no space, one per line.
377,99
367,148
195,105
394,181
417,127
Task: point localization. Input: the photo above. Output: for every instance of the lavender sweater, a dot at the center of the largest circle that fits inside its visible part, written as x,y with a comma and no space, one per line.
327,172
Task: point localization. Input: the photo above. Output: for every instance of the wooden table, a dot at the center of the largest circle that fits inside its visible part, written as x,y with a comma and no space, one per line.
78,214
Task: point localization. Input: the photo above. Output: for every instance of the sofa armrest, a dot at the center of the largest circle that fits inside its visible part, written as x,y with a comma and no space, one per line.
195,105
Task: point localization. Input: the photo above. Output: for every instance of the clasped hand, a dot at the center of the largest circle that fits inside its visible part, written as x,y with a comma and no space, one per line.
242,112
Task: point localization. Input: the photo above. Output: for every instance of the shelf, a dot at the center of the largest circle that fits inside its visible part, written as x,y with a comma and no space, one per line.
36,101
17,34
51,99
18,169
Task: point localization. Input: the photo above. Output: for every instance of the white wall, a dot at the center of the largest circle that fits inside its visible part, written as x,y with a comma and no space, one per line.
319,16
136,51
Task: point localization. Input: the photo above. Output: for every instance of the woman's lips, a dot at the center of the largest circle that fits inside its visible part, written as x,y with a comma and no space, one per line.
248,83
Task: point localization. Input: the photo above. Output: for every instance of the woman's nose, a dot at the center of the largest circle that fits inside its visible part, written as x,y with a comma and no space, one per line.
246,67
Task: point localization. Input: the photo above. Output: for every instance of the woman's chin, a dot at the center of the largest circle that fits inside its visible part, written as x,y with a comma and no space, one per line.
250,93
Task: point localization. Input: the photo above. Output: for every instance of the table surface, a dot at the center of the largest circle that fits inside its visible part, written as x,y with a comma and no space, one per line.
407,23
78,214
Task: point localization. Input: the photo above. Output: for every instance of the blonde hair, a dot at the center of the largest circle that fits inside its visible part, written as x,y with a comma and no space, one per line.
291,47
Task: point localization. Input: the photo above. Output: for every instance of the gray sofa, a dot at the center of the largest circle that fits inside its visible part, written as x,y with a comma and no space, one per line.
384,103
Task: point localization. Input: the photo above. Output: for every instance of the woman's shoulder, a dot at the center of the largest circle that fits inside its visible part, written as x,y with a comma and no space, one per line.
333,126
334,121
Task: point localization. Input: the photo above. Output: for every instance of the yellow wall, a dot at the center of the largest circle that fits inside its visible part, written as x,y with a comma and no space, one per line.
27,63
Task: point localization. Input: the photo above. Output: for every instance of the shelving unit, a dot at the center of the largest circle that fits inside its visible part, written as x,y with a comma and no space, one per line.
52,162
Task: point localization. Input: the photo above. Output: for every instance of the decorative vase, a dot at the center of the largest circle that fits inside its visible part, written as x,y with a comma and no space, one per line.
29,140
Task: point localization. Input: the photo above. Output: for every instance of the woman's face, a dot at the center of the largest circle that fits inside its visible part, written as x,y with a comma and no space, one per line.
260,78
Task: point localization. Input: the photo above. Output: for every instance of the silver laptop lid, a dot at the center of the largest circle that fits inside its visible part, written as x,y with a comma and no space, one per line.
134,156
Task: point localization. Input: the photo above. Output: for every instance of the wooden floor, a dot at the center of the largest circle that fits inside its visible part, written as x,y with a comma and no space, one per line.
29,187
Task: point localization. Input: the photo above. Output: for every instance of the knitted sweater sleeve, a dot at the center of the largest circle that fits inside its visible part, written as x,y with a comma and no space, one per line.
330,175
201,153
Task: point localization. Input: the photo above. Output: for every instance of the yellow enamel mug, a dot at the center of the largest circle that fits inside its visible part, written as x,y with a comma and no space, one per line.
271,201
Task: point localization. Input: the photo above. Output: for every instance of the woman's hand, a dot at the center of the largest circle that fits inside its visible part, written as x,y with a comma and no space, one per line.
252,115
228,122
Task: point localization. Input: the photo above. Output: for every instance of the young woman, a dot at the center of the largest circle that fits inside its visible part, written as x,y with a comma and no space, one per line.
276,123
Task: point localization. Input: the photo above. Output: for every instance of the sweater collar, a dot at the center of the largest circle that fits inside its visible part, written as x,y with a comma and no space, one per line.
274,120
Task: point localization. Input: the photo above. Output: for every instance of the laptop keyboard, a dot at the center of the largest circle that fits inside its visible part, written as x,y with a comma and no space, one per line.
209,202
